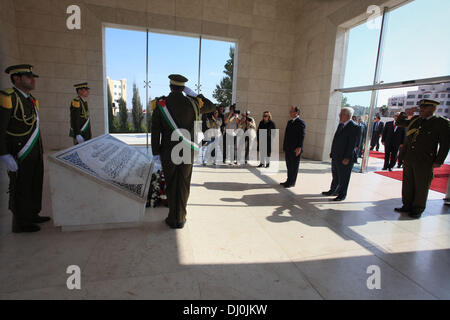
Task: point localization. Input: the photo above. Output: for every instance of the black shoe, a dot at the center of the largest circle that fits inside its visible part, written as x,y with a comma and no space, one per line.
329,193
29,228
260,165
288,185
39,219
390,169
414,215
178,225
339,198
402,209
384,168
283,183
399,166
267,165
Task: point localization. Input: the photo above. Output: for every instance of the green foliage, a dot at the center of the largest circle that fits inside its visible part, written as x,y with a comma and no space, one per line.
123,116
224,91
136,110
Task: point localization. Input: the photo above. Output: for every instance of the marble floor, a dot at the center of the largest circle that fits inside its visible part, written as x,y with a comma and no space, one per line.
246,238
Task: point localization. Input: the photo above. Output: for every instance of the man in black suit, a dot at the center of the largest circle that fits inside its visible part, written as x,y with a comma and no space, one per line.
293,145
362,139
343,154
376,133
392,139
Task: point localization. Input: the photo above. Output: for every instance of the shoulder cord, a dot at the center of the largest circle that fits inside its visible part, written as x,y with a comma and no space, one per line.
84,112
27,121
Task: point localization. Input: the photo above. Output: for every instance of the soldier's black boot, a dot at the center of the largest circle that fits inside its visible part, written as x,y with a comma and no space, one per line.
28,228
414,215
39,219
402,209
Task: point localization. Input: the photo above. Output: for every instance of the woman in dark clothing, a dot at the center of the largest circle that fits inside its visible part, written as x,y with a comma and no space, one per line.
265,149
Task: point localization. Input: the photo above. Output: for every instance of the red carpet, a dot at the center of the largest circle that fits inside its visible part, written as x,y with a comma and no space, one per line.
438,184
376,154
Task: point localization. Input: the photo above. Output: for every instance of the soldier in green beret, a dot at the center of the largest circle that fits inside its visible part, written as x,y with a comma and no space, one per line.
420,154
170,115
80,123
21,148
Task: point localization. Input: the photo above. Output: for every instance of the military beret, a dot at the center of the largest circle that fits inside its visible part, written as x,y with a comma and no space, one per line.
83,85
428,103
178,80
21,69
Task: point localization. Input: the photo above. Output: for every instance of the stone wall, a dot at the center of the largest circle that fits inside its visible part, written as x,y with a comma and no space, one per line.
289,52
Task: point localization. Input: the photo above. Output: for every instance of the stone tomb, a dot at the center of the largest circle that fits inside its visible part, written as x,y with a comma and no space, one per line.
102,183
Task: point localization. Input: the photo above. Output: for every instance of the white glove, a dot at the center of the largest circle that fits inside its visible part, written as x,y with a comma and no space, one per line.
9,162
79,139
157,158
189,92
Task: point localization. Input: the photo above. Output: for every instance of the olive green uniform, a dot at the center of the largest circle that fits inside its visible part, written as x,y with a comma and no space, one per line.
178,177
419,153
18,123
79,115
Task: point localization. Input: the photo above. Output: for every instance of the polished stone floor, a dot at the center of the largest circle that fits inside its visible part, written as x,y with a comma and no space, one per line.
246,238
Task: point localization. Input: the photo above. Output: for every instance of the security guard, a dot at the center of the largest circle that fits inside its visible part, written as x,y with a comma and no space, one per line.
80,123
420,154
21,149
170,114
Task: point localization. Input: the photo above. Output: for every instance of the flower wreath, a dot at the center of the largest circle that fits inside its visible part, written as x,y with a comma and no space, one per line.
157,194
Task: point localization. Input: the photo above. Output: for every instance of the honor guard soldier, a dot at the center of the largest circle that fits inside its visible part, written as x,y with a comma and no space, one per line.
21,149
80,123
420,154
170,114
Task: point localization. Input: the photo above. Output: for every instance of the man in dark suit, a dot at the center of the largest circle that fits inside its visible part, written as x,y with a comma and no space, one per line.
393,138
343,154
376,133
362,138
293,145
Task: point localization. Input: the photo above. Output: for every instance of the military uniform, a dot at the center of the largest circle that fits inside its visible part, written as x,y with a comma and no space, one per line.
80,123
184,110
20,137
418,154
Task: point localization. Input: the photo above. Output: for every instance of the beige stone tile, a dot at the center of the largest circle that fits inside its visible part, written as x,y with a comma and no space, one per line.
158,21
344,276
252,281
188,25
165,7
215,29
135,5
424,262
241,6
215,14
149,250
32,261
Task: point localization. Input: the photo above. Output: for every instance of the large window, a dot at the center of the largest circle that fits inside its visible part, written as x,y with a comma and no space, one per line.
426,22
380,62
202,61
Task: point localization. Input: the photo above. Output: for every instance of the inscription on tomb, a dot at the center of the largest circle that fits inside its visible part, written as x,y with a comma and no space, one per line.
112,161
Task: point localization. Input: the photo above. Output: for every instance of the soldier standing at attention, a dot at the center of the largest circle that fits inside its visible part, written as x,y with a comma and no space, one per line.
420,154
170,114
21,149
80,124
